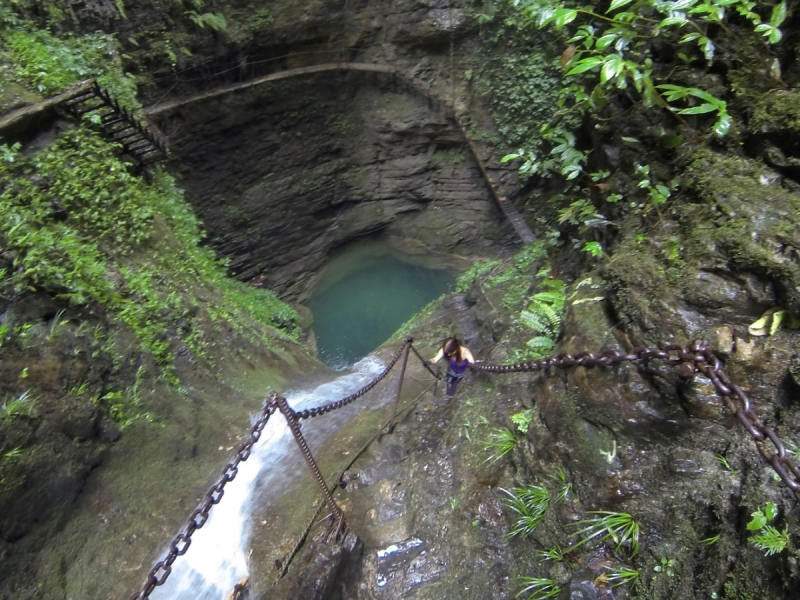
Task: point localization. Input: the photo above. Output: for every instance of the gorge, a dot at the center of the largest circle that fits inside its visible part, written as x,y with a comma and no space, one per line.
145,313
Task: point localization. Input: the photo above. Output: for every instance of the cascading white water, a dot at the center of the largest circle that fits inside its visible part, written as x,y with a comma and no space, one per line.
217,557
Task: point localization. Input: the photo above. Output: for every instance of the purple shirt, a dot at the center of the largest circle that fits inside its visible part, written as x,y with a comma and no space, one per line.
458,368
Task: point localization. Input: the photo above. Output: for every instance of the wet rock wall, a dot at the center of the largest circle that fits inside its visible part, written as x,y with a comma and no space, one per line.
285,173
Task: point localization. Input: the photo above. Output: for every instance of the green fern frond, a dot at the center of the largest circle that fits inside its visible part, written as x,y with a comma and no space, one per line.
535,321
552,298
547,312
541,345
553,285
771,540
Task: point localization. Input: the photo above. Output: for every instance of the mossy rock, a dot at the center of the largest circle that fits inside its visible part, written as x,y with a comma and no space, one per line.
14,96
778,111
746,215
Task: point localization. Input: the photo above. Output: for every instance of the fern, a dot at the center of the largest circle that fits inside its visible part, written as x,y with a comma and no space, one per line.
536,321
478,269
213,20
522,420
552,298
771,540
520,265
543,315
541,345
551,313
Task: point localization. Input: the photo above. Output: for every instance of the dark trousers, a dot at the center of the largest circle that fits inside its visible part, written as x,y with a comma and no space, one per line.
452,382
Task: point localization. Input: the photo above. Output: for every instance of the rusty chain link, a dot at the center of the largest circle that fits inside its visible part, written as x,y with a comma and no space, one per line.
294,425
326,408
708,364
425,363
162,569
698,357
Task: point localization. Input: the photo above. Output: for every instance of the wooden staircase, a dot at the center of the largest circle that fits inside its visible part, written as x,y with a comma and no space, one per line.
143,143
116,123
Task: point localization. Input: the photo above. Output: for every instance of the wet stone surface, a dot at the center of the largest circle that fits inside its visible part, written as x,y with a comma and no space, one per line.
430,508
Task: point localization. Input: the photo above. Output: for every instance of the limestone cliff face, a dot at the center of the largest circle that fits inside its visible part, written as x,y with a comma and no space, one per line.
285,173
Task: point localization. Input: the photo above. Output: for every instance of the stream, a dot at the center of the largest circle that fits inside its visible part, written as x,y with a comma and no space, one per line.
366,294
217,558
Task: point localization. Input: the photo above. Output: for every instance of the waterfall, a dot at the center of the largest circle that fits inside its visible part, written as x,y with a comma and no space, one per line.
217,557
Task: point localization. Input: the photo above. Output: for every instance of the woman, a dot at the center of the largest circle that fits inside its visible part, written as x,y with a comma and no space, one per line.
459,358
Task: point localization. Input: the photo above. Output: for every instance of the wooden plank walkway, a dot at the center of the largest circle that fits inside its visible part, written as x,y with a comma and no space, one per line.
508,209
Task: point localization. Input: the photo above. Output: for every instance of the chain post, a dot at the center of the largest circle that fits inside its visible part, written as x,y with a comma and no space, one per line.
294,426
408,345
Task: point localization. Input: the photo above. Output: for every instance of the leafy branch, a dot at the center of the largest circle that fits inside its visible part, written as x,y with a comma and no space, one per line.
614,48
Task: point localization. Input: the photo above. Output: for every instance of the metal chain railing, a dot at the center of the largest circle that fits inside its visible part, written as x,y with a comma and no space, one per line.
162,569
699,357
325,408
294,425
426,364
739,404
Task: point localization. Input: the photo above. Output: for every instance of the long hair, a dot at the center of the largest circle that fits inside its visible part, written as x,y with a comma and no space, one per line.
451,348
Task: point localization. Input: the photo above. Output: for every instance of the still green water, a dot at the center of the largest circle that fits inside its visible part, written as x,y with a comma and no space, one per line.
365,296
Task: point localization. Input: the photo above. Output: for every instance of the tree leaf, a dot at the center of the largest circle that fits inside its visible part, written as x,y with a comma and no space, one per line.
778,14
757,522
606,40
698,110
775,69
564,16
673,141
567,56
674,20
770,511
704,95
585,64
615,4
708,48
777,318
611,69
723,124
674,92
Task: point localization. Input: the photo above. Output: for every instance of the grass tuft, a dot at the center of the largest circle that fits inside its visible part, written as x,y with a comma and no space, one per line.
619,527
